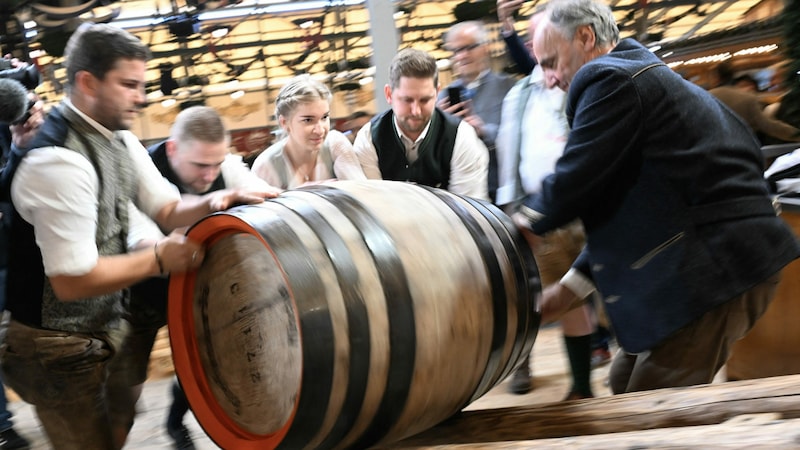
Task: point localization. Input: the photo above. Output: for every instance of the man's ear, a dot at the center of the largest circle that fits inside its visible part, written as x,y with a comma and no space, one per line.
586,36
171,147
387,91
86,82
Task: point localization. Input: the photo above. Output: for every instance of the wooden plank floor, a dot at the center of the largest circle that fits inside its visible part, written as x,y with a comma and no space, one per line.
551,382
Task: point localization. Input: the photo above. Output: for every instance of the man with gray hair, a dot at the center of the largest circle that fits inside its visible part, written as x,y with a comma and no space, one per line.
482,90
414,141
682,239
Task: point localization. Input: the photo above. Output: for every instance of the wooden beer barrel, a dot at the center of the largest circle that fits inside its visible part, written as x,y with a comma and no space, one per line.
772,347
349,314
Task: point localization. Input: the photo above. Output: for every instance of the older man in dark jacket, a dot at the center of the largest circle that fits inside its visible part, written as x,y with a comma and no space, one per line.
683,241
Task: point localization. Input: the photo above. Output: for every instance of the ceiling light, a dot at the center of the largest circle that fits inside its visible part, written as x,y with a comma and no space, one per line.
757,50
219,32
237,94
304,23
168,102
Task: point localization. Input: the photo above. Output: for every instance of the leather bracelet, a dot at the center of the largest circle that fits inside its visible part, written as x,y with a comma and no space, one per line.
158,259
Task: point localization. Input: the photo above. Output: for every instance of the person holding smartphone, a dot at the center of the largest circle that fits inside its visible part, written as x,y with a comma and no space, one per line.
477,94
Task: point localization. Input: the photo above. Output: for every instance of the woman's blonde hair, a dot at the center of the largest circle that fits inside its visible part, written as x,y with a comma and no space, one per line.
300,89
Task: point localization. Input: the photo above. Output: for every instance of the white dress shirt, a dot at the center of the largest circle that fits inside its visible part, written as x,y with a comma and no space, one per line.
469,164
528,148
56,190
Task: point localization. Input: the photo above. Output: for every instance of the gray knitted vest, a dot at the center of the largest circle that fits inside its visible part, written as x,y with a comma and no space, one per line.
117,186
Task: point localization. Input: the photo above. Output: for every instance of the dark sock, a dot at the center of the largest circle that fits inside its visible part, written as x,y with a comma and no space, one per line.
579,351
178,408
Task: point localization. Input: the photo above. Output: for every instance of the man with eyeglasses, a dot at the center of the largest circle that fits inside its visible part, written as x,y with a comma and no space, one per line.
482,90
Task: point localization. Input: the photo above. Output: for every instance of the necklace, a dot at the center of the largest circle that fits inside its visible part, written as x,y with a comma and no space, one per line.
303,170
306,174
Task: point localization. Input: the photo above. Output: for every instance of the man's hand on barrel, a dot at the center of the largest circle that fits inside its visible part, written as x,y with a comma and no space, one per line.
556,301
177,253
524,225
227,198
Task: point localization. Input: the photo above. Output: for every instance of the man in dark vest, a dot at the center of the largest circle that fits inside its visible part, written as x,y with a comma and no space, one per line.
196,160
11,135
72,194
414,141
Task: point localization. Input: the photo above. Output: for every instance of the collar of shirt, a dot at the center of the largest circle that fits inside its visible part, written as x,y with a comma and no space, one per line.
537,75
103,130
477,81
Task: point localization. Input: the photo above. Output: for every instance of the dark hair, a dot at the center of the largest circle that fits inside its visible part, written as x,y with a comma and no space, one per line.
724,73
96,48
359,114
746,79
412,63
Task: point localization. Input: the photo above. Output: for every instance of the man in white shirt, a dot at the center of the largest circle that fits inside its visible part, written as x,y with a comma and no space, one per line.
414,141
533,132
68,260
196,160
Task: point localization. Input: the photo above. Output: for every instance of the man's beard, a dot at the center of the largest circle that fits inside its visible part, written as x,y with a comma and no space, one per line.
406,124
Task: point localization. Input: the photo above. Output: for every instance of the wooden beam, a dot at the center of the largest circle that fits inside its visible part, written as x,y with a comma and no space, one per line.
750,432
663,408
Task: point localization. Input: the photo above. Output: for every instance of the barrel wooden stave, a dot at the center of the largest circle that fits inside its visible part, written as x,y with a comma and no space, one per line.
450,320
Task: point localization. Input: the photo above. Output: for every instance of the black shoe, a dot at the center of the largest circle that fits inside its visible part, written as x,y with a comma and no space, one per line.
181,437
575,395
9,439
521,380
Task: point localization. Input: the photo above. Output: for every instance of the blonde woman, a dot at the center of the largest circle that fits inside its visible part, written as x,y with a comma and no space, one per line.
309,151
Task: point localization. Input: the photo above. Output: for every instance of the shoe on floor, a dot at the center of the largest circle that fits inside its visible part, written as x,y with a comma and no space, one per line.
181,438
600,356
9,439
575,395
521,381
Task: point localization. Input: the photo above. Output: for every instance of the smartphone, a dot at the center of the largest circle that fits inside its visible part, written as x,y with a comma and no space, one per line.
454,94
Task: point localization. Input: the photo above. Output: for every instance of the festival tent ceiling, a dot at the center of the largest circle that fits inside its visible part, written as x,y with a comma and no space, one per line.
203,45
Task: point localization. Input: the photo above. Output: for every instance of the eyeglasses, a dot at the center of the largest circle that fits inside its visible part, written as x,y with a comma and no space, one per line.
466,48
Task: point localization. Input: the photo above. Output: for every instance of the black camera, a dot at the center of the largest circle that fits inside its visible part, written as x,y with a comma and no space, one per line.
28,75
